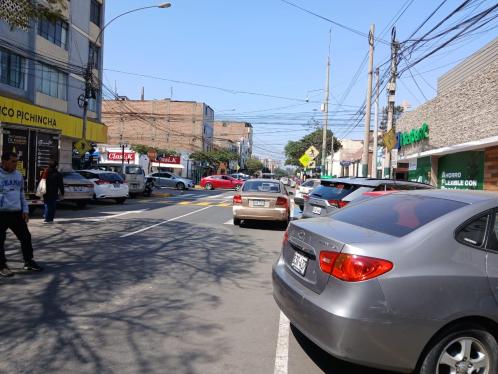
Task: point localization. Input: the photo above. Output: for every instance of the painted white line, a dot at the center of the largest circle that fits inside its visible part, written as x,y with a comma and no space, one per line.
188,194
229,222
216,197
98,219
282,352
163,222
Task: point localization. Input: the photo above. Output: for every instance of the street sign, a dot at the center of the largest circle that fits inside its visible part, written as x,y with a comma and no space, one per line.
390,140
305,160
312,152
312,164
82,146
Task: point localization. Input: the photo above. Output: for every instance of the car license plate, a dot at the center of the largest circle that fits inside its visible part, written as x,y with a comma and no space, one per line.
317,210
258,203
134,185
299,263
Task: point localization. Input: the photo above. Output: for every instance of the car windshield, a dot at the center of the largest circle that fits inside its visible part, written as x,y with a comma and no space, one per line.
259,186
308,183
110,177
72,175
114,168
397,214
333,190
133,170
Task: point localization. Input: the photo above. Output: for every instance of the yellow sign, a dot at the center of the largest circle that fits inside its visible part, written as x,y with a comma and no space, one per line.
305,160
82,146
312,152
20,113
312,164
389,140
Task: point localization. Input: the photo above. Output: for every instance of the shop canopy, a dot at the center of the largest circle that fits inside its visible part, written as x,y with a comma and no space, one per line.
165,165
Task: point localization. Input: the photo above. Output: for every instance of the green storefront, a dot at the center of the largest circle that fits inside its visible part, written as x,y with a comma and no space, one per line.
461,171
419,170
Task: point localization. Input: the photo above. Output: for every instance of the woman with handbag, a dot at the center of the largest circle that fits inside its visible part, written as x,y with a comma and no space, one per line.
53,186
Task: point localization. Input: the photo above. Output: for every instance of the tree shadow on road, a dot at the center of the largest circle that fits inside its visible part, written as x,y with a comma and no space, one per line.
99,306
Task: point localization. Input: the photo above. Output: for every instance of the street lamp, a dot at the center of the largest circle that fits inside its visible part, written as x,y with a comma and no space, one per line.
89,90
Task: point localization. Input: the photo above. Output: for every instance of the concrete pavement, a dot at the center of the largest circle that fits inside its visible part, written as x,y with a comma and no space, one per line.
163,284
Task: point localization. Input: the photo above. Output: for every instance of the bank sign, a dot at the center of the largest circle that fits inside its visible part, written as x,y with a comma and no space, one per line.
411,137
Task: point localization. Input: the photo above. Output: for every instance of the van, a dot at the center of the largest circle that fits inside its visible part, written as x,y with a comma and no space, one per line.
134,175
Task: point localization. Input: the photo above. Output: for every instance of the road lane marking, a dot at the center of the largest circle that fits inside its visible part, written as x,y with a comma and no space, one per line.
229,222
282,352
95,219
204,203
163,222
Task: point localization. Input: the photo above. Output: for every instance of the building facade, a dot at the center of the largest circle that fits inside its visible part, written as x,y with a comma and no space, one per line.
40,82
234,133
452,140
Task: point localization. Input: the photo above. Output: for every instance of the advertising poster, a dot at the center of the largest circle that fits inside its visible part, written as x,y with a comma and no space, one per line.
17,141
461,171
47,148
420,170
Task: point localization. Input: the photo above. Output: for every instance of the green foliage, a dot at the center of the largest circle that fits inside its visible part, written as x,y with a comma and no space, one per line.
27,10
253,165
143,149
214,157
295,149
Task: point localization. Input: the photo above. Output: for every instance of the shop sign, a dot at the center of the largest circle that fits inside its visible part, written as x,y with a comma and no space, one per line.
17,141
20,113
412,165
170,160
413,136
118,156
462,171
422,171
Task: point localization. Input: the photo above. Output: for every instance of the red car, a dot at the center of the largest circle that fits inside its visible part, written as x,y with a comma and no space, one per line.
221,181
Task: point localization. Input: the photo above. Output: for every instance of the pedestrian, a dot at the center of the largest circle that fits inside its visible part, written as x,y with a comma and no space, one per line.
14,214
55,185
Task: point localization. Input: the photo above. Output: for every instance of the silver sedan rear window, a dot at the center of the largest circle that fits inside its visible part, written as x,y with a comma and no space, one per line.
397,214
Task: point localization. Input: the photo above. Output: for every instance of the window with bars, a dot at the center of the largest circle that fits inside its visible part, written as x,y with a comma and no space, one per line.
95,10
54,31
12,69
51,81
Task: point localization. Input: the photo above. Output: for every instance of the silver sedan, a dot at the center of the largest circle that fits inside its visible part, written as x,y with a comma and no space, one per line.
404,282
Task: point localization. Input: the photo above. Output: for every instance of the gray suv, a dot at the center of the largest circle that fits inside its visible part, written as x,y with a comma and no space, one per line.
336,193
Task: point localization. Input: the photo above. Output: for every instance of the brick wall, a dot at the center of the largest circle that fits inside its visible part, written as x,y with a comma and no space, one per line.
175,125
491,169
231,132
464,113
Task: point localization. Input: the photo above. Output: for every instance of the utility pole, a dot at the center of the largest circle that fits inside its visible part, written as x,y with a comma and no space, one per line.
326,111
376,124
368,108
391,92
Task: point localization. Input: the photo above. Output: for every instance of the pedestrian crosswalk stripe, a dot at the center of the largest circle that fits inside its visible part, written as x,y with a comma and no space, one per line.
204,203
184,202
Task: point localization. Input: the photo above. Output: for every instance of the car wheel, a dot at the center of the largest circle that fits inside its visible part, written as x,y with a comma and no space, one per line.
81,204
470,349
236,221
208,186
120,200
180,186
237,187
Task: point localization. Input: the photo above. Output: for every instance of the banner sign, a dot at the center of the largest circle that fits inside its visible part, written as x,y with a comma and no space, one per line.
461,171
118,156
169,159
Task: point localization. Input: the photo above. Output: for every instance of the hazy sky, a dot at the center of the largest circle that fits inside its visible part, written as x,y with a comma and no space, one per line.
249,49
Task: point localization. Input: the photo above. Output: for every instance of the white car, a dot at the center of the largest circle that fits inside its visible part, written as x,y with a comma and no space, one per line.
107,185
304,190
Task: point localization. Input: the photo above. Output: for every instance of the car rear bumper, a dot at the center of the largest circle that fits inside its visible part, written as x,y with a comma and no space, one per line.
265,214
374,339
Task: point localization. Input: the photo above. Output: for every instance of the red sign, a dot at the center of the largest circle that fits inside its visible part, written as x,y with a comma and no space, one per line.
170,159
118,156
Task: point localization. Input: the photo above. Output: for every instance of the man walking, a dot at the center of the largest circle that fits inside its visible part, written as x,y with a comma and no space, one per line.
14,214
55,185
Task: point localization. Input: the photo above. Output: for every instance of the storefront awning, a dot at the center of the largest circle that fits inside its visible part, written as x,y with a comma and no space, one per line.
469,146
163,165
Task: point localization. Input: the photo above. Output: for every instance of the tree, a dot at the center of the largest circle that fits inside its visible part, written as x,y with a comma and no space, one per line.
143,149
279,173
253,165
295,149
19,13
214,157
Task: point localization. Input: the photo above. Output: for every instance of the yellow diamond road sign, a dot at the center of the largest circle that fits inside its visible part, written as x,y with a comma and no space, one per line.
390,140
305,160
312,164
312,152
82,146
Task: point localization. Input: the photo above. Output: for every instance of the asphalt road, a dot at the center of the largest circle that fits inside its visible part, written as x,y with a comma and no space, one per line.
156,285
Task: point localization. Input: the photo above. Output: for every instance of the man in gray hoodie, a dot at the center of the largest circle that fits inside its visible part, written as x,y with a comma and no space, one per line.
14,214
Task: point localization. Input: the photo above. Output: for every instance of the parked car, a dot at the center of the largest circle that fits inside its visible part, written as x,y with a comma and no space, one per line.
240,176
262,200
220,181
107,185
165,179
302,192
336,193
77,188
134,176
405,282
